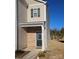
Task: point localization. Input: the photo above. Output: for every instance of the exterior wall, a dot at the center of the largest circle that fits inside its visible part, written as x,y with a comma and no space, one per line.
48,29
31,40
45,31
46,37
16,40
27,36
22,12
22,36
31,36
48,20
21,18
32,2
42,12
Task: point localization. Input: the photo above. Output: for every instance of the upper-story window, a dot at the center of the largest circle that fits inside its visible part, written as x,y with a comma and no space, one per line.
35,12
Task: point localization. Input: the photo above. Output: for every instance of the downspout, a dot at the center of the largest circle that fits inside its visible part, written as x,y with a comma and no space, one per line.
17,24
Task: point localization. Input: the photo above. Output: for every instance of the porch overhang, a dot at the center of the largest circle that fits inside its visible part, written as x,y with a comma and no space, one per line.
36,24
31,24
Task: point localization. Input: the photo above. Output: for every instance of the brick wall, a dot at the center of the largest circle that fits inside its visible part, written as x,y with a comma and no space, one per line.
31,36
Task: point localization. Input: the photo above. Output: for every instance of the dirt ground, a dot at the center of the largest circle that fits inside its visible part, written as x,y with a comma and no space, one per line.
56,50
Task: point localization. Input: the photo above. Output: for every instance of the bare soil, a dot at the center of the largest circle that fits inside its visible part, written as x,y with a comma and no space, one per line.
56,50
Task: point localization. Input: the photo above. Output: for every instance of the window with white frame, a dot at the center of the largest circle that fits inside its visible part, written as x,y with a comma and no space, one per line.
35,12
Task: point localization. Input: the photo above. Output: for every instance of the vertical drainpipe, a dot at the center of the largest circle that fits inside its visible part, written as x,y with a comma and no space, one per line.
17,24
43,43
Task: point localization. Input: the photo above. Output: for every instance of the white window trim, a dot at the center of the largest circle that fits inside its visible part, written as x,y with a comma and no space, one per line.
35,12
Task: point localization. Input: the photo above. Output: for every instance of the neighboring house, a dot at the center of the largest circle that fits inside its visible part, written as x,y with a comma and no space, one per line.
32,25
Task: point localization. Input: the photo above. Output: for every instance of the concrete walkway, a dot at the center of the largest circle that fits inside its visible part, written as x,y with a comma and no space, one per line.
31,55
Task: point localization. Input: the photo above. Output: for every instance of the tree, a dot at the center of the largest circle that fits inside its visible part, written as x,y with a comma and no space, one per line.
55,34
62,32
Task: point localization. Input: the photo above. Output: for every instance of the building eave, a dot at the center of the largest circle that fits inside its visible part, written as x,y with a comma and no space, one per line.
44,2
29,24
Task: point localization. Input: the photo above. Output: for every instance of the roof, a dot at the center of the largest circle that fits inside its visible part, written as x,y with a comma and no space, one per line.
41,1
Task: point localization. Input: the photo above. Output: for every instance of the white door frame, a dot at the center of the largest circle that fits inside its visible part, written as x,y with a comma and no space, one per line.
39,47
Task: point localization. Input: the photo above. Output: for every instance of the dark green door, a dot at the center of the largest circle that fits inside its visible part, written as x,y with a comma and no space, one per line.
38,39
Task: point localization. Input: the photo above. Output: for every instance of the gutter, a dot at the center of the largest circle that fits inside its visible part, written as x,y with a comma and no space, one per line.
44,2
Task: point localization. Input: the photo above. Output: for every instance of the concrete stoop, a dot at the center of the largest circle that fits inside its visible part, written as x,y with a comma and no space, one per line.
30,55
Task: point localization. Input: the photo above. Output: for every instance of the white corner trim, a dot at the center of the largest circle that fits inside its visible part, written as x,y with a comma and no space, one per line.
45,12
43,42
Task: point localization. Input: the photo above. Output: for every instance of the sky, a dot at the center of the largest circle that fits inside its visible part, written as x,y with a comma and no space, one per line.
56,13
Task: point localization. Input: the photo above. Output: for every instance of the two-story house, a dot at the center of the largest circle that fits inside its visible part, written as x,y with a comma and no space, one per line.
32,25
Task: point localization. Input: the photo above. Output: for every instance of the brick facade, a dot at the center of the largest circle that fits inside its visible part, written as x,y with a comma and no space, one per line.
31,36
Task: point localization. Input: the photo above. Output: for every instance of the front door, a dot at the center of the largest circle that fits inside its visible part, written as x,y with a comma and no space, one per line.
38,40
